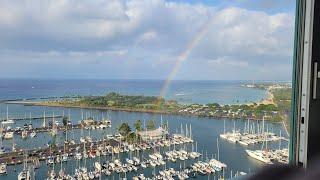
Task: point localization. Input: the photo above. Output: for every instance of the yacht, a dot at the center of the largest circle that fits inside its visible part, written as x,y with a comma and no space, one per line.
8,121
2,150
33,134
52,175
259,155
3,168
64,157
24,134
24,175
8,135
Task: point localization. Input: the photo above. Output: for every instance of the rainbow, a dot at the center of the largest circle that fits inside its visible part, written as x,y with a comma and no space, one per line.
183,56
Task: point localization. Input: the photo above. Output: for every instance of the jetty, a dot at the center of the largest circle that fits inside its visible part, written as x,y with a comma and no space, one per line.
32,118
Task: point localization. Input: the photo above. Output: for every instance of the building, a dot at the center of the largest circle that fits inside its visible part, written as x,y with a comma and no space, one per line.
153,135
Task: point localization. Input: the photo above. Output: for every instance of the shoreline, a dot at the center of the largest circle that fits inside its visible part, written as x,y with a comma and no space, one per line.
134,111
268,100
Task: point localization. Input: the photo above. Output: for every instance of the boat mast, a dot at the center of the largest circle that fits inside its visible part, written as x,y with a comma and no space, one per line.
44,119
187,134
248,126
190,133
280,141
245,128
218,148
7,113
81,114
263,124
196,146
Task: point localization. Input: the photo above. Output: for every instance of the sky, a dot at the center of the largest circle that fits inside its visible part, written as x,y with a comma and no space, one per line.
147,39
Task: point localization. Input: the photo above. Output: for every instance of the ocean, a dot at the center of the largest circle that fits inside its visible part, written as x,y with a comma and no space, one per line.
205,130
223,92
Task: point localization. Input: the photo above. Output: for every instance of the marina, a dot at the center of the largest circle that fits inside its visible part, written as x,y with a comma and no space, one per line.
99,146
251,136
77,143
113,146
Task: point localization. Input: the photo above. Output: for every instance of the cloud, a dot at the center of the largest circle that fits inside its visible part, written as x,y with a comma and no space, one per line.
139,38
225,61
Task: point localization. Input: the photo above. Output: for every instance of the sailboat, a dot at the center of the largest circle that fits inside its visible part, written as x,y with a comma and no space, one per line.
33,134
66,132
24,134
25,173
3,168
14,149
261,155
65,154
44,119
54,127
61,172
2,149
8,135
8,121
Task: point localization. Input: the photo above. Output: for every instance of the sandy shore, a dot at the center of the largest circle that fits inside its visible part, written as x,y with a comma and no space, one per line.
268,100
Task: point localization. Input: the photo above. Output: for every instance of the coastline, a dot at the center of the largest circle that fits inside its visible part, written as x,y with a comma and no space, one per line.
268,100
131,110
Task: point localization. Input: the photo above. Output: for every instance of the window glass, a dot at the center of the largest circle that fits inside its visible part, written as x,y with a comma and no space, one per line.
144,89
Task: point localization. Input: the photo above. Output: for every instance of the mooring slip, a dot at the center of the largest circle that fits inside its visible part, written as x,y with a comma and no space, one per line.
32,118
13,158
109,145
43,129
86,124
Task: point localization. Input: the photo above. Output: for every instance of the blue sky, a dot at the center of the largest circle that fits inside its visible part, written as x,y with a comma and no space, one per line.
142,39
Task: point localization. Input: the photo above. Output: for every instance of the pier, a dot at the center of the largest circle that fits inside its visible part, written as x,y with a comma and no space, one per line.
32,118
113,145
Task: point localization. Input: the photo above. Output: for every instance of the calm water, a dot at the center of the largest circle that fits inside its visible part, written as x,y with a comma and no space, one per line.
224,92
205,130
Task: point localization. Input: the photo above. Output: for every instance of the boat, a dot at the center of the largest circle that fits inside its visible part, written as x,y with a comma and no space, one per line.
36,163
3,168
82,140
8,135
78,156
259,155
64,157
24,175
33,134
97,166
7,121
62,174
24,134
91,175
50,160
52,175
2,150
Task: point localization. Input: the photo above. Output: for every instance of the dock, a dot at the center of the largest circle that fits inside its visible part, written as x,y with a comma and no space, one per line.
32,118
14,158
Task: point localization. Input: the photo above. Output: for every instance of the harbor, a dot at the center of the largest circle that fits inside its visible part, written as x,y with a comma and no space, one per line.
72,137
256,133
161,148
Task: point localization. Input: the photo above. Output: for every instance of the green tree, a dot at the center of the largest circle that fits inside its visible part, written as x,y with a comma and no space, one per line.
124,129
151,125
65,120
138,125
